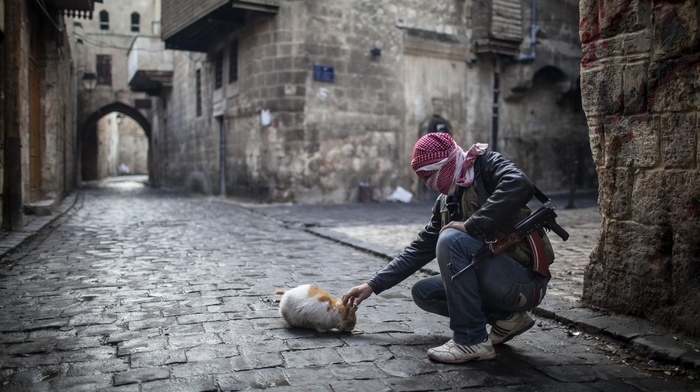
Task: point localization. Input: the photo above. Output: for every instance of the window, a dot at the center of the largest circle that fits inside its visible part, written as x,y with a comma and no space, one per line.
104,20
135,22
218,69
198,92
233,62
104,69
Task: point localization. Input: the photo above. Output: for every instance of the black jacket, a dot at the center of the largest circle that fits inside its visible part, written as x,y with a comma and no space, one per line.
508,189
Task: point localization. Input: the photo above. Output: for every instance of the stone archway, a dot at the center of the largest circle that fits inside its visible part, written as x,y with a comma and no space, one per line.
88,137
121,108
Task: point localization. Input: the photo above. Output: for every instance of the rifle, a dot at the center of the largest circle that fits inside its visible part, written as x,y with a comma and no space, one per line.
542,219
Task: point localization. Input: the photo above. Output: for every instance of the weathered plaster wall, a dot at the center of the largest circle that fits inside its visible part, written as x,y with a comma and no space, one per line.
55,80
639,81
58,172
22,62
543,126
186,143
133,147
324,138
107,146
88,41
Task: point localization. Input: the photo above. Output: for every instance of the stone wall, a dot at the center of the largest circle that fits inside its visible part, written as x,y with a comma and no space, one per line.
59,171
36,95
639,80
324,138
88,40
185,144
133,147
542,124
107,146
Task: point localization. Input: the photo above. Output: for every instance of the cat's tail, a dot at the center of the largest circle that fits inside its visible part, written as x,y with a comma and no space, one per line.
279,292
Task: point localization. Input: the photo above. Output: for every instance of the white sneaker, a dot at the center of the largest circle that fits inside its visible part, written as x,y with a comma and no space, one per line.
452,352
505,330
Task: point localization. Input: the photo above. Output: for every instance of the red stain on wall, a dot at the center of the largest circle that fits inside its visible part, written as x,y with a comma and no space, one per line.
618,140
693,208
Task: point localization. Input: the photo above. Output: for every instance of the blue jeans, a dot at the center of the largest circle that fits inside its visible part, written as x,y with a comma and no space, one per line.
492,291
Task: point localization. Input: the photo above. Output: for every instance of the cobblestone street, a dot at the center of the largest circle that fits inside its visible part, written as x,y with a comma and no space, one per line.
135,289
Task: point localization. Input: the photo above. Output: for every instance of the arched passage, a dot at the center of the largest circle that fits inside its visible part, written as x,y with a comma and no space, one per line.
89,144
121,108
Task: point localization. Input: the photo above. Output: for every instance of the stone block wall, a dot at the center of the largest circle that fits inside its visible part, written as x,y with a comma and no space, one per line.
186,144
639,79
59,169
36,89
324,138
107,146
543,127
133,147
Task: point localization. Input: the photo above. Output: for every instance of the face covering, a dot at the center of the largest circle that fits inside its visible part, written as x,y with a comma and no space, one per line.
442,164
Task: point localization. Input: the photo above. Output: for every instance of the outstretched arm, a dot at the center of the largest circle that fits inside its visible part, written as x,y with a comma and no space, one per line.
357,294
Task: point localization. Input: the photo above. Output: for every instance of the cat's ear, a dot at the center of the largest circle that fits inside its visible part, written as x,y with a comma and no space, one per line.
353,309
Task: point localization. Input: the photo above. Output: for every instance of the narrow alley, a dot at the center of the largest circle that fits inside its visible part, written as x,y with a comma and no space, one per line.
135,289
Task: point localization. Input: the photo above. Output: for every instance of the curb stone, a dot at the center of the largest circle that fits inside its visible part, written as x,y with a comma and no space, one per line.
33,224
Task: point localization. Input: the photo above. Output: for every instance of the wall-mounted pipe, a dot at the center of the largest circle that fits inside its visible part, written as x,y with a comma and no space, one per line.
495,106
534,28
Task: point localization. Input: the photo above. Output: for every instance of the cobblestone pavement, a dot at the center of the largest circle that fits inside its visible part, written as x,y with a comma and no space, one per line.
139,290
571,256
389,227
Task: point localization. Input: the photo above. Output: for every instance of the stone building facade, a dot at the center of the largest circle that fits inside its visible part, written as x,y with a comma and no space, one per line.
639,79
37,90
121,145
101,48
302,100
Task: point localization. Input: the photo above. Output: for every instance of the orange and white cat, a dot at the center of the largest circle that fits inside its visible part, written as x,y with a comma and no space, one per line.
308,306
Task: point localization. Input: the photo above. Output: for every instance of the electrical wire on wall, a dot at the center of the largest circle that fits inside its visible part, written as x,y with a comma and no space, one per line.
48,14
105,45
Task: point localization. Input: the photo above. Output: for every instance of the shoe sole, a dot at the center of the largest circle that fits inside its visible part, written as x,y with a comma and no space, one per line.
510,336
485,357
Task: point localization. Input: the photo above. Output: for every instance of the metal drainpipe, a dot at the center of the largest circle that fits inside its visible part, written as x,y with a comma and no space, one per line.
222,156
534,28
496,89
74,133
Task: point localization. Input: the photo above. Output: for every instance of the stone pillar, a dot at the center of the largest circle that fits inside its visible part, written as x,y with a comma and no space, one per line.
640,84
12,218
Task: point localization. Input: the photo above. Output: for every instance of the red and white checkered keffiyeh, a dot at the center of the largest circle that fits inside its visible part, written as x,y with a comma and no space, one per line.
442,164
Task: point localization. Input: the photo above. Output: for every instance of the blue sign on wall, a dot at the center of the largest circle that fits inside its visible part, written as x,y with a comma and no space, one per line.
324,73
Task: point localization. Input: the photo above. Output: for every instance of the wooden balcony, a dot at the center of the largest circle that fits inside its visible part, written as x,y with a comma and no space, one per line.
502,31
74,8
188,25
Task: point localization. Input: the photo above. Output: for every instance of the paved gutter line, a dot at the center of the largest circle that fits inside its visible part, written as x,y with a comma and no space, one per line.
36,225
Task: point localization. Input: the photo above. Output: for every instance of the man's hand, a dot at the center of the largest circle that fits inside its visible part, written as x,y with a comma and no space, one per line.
357,294
454,225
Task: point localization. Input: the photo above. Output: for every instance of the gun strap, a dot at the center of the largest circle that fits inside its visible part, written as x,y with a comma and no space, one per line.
540,263
480,190
540,196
